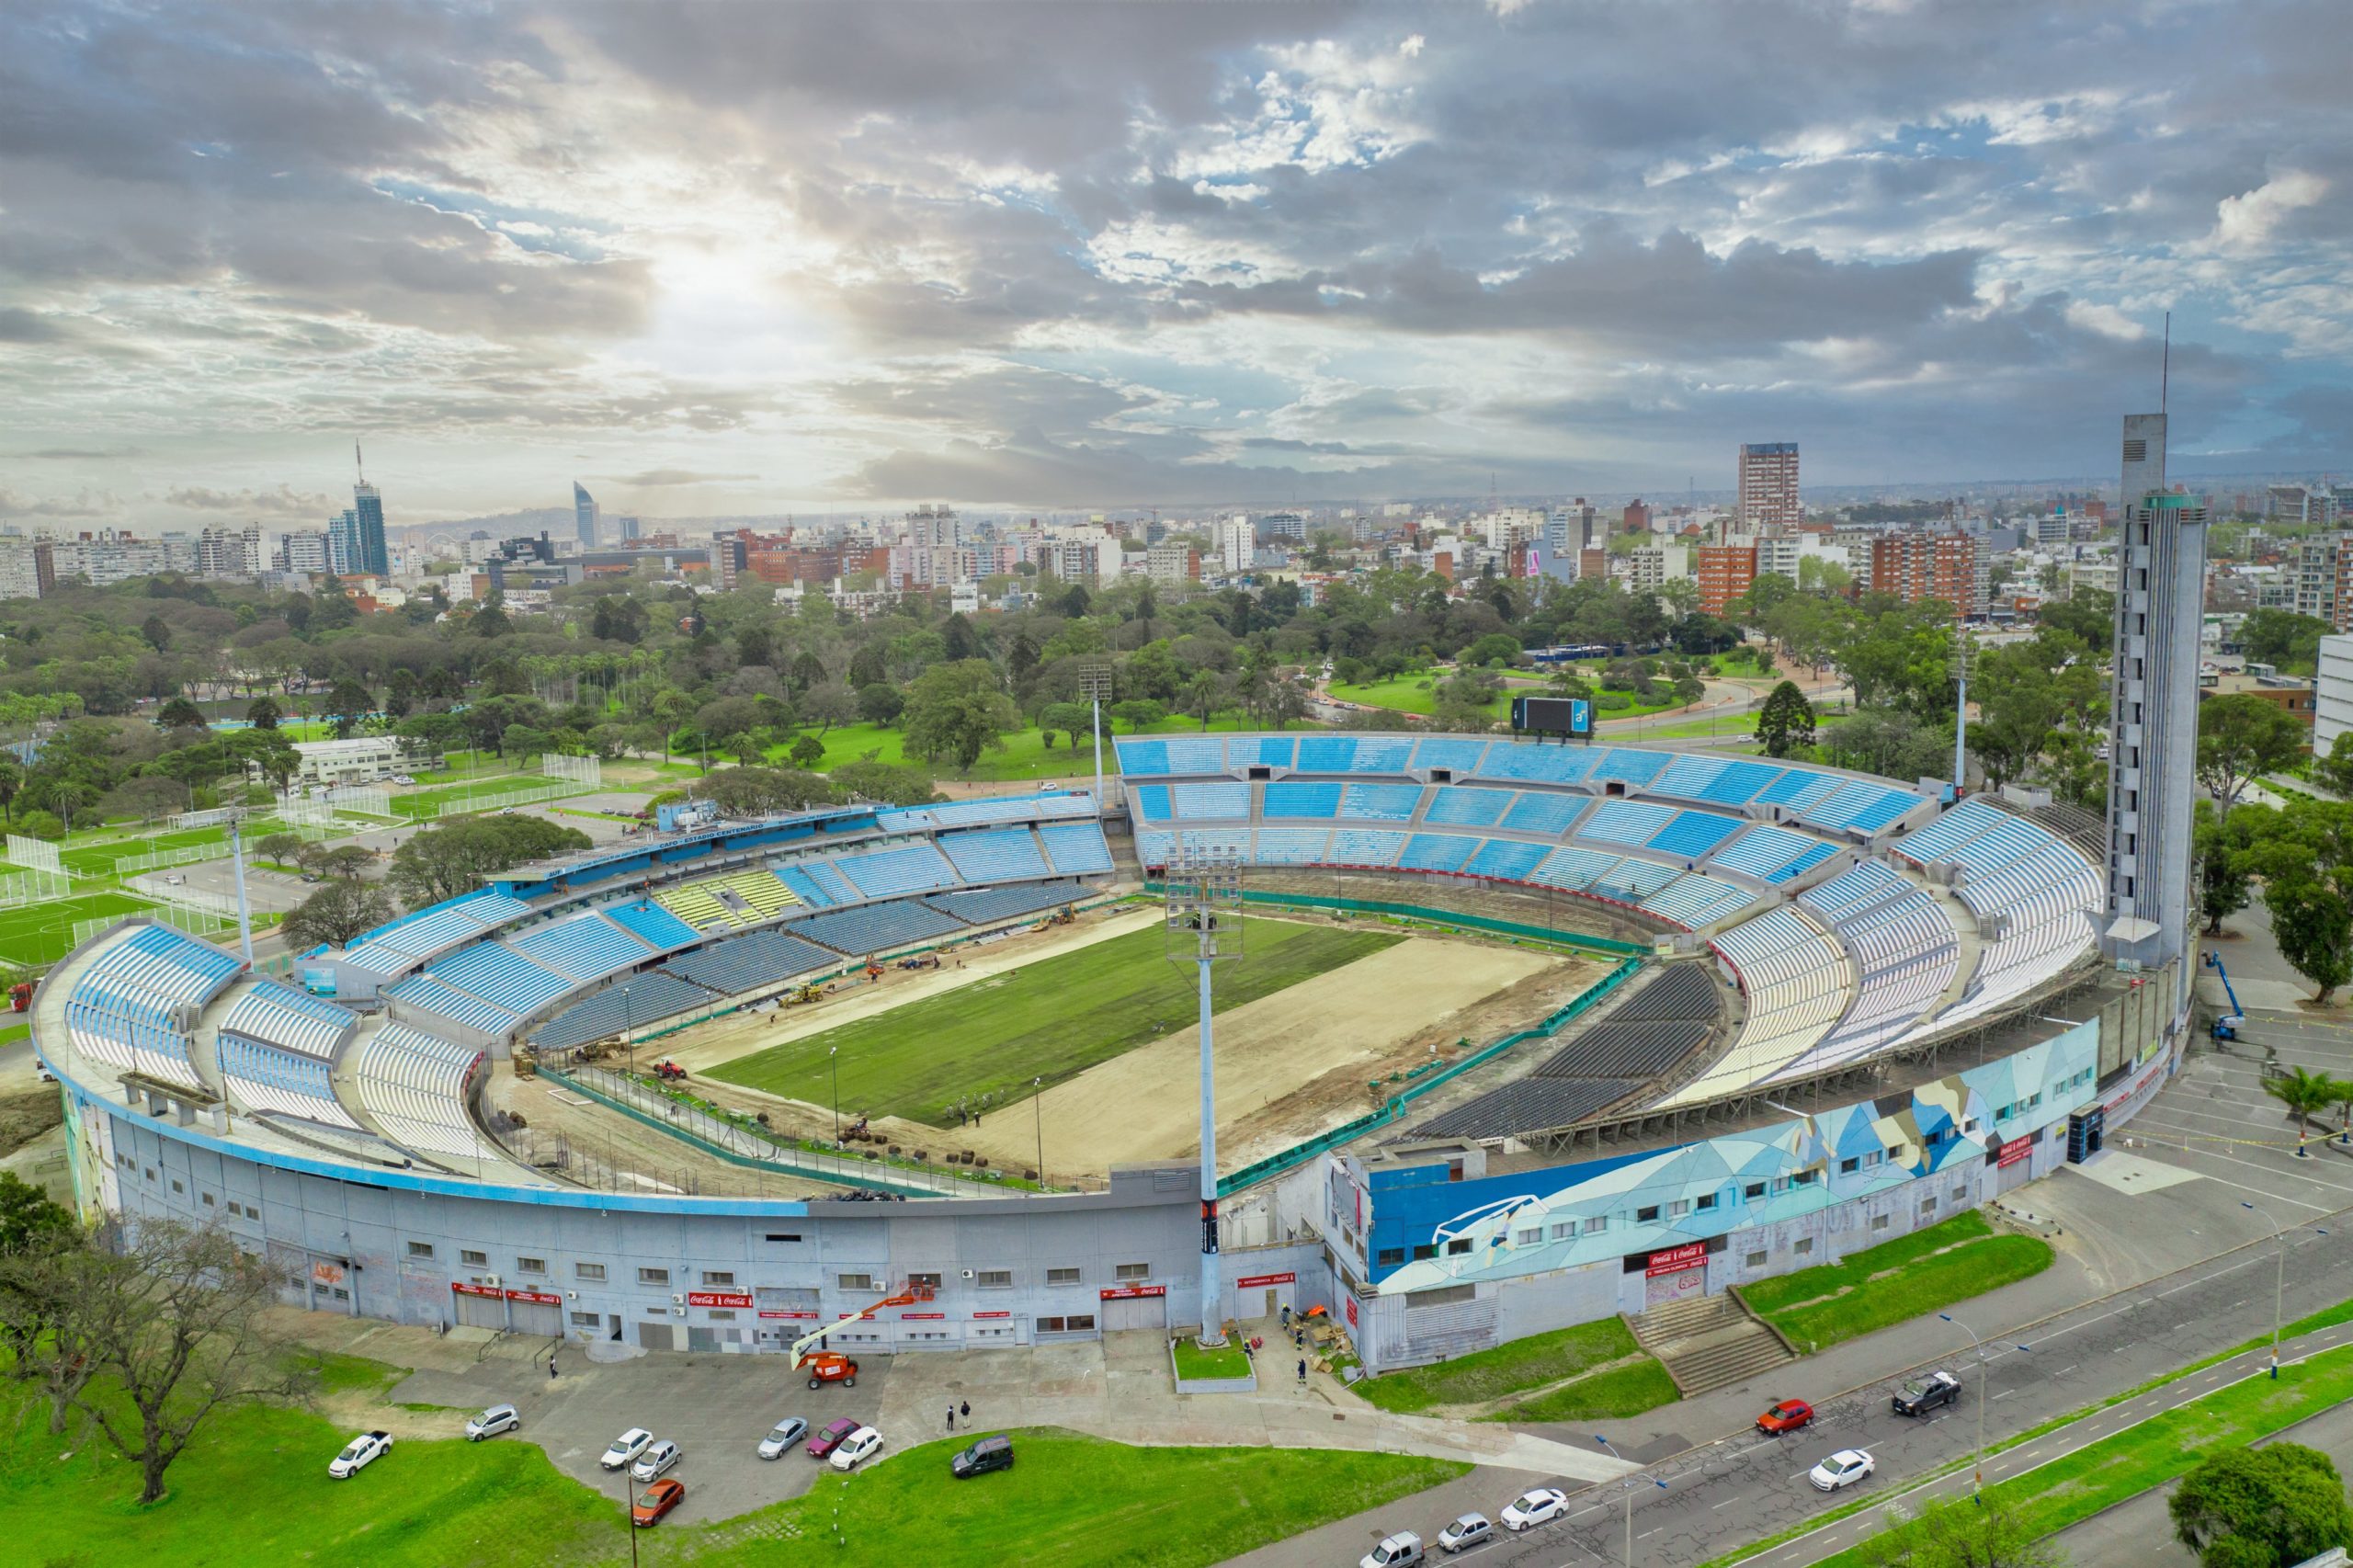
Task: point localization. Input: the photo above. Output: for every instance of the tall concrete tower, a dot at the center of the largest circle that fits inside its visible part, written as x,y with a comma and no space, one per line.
2153,726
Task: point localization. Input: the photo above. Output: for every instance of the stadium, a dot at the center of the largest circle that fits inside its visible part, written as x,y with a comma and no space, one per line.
1525,1035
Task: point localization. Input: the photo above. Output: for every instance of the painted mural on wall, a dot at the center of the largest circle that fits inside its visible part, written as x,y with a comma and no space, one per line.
1425,1231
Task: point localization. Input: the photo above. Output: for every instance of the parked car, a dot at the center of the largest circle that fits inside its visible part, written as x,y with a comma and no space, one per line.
1786,1416
655,1500
359,1453
782,1436
1403,1549
1539,1506
664,1455
1923,1394
1470,1530
855,1448
829,1437
1842,1469
988,1454
403,779
626,1447
490,1422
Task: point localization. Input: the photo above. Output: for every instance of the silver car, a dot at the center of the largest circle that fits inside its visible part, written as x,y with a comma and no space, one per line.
782,1436
490,1422
664,1455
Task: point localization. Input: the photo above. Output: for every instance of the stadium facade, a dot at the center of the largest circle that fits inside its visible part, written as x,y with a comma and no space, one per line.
1844,921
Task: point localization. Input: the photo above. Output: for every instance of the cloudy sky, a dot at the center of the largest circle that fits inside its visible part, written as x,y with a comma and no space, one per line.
769,258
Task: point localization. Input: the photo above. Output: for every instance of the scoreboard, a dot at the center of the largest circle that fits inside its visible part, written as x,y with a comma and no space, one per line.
1553,716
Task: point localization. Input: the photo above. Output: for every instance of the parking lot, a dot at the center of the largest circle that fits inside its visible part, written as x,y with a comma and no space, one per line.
717,1408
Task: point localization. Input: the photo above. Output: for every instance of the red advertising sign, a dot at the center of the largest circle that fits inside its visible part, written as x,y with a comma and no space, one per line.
921,1316
774,1314
1675,1260
718,1299
1352,1311
463,1289
991,1314
1252,1282
2014,1151
537,1297
1130,1292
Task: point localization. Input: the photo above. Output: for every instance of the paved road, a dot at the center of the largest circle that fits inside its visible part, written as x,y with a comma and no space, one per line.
2158,1232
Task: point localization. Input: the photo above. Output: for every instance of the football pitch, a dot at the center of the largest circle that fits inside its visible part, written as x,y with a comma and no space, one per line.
43,933
1051,1020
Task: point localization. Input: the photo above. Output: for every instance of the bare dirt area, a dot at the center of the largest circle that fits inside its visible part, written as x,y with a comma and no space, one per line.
611,1151
25,1117
707,1045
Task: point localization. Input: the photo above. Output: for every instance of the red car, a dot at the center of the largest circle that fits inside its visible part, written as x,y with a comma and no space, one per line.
829,1436
655,1500
1786,1416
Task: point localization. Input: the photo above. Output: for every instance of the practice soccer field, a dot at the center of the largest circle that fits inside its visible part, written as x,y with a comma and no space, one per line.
1050,1019
43,933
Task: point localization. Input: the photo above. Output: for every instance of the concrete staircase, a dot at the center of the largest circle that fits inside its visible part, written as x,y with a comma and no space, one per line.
1708,1343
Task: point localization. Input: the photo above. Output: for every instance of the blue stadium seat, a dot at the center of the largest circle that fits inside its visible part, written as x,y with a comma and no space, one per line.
585,947
1076,848
877,927
1380,802
1365,847
1435,852
1507,859
995,855
651,924
1535,812
1629,823
490,971
1301,798
1209,803
909,867
1468,805
1693,833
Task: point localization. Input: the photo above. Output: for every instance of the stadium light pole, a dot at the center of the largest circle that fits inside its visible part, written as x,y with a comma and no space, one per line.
1960,654
1038,1120
834,1061
2279,1280
1095,683
244,910
1203,923
1627,1485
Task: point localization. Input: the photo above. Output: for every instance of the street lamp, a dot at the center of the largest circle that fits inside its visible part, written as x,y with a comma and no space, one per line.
834,1061
1627,1485
1038,1118
2278,1279
1977,1481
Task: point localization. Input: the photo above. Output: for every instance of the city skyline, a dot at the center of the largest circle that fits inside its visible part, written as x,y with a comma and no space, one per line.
722,261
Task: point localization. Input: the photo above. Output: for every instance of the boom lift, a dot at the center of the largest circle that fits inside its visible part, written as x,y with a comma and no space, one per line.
831,1367
2227,1027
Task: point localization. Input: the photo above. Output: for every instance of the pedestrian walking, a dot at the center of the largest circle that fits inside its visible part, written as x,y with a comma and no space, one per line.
965,1410
1302,1374
952,1418
550,1369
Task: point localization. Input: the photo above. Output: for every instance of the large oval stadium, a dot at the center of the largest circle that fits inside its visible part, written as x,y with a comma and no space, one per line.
1594,1029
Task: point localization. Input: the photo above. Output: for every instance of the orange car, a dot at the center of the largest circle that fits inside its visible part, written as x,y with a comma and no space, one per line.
1786,1416
655,1500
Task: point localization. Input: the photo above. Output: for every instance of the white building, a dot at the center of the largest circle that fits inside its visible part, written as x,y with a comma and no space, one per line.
19,569
1236,542
302,552
362,760
2333,693
225,552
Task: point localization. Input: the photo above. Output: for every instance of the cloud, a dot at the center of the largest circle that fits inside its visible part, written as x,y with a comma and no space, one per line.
280,502
83,504
2245,222
654,477
82,454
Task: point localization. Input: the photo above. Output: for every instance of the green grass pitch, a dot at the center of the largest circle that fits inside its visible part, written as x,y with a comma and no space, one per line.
1051,1019
43,933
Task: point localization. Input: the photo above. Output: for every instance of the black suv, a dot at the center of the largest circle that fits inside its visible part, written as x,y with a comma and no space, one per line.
988,1454
1923,1394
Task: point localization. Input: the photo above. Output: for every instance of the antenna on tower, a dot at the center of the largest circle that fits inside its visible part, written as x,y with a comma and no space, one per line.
2165,366
357,463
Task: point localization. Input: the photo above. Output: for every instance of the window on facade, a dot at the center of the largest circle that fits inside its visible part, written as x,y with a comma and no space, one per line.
723,1314
1457,1246
1677,1207
1805,1178
1077,1323
1425,1253
1705,1201
1879,1221
1804,1245
929,1281
1848,1167
1564,1230
718,1277
177,1186
1753,1191
784,1235
654,1277
1928,1205
1754,1260
1647,1214
856,1282
993,1279
420,1249
474,1259
1061,1277
592,1272
1390,1257
584,1320
208,1199
1528,1238
530,1266
1596,1223
1132,1271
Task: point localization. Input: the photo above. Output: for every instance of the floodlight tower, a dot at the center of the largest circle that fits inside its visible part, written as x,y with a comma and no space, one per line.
1095,685
1963,649
244,909
1204,924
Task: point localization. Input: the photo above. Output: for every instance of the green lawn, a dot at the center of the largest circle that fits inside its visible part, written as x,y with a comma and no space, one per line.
1051,1019
43,933
1411,693
1026,755
1612,1395
2067,1491
1506,1369
1921,1273
97,859
1226,1361
424,803
252,1492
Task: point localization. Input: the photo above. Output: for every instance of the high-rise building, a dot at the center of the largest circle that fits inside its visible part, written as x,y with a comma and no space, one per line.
1637,517
304,552
1915,565
1237,544
2153,751
583,516
1725,572
356,540
629,530
28,569
227,552
1768,485
1172,563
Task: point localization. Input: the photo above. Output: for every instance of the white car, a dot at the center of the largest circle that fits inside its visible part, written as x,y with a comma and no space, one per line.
1539,1506
403,779
859,1447
359,1453
664,1455
783,1438
626,1447
1842,1469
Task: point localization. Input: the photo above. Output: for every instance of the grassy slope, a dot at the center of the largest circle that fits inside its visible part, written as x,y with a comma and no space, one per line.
252,1493
1052,1019
1841,1301
1506,1369
1025,754
1618,1393
2068,1490
1192,1361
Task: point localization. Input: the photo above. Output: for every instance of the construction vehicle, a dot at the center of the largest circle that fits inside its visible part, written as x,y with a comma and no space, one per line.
669,1069
806,994
527,1061
1063,916
20,996
873,972
2227,1027
832,1367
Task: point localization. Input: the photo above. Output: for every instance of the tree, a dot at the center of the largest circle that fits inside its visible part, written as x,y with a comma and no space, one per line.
348,702
1961,1532
180,714
263,713
2334,771
879,702
2221,849
346,862
2305,1093
2280,1503
32,1230
337,914
454,859
2240,738
806,751
828,703
2312,924
2284,640
277,847
1495,650
1075,719
1785,724
955,709
1137,713
157,635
